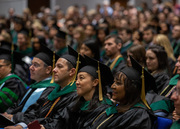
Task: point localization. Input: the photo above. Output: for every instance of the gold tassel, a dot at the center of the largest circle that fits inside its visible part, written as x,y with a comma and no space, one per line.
52,80
12,58
77,67
143,97
174,71
100,86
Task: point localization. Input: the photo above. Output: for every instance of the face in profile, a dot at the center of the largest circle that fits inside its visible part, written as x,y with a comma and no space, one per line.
84,50
178,65
128,59
37,69
118,88
61,71
85,84
176,98
5,69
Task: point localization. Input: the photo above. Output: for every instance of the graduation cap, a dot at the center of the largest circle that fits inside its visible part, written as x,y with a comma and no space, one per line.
92,44
24,32
8,45
75,59
14,58
139,75
99,71
61,34
18,20
47,56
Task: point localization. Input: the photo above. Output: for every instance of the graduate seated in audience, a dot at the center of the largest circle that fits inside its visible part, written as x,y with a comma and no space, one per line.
176,98
113,45
160,105
131,109
41,71
157,65
92,99
21,68
50,110
12,87
173,81
138,52
90,48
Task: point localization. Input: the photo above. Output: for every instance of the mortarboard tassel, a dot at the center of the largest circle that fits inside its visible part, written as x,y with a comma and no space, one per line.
77,67
52,80
143,89
100,86
174,71
12,55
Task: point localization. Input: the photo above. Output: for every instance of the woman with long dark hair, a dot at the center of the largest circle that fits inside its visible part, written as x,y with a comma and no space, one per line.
131,109
91,83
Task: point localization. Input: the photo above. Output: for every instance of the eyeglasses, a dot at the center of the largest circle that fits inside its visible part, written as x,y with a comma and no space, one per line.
35,65
176,91
4,65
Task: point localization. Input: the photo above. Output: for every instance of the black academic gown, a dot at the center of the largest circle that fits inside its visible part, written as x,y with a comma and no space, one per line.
162,80
83,119
135,118
37,90
119,65
56,119
11,91
19,106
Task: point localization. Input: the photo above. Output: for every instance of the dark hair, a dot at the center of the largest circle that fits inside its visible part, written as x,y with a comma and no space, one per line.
93,45
132,92
41,40
70,66
94,28
117,39
94,103
150,28
161,55
105,29
139,53
128,31
106,32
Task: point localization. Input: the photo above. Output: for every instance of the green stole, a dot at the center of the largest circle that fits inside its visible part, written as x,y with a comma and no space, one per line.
11,76
172,83
43,84
123,49
62,51
113,109
174,80
25,52
85,104
102,53
176,125
117,62
175,50
57,92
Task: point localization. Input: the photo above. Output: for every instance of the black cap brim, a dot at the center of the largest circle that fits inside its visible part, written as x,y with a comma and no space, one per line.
46,55
92,67
149,79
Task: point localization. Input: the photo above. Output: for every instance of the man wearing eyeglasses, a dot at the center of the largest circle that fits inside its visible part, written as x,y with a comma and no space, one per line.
12,88
40,70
